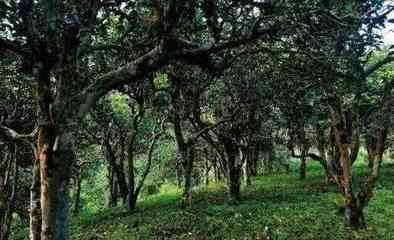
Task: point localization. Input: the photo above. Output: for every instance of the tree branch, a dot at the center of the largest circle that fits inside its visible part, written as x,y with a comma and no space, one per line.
170,49
133,71
11,135
371,69
104,47
12,46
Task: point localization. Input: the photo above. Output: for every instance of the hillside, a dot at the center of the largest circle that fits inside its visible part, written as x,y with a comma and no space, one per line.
281,206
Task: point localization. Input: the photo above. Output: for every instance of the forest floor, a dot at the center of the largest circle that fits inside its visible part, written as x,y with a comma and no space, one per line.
280,205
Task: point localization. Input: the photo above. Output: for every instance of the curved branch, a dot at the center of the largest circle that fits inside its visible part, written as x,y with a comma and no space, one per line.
10,134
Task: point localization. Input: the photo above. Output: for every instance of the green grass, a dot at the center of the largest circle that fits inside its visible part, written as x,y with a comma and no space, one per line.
281,205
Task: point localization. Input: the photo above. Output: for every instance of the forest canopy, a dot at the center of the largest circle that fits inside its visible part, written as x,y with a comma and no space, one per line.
113,109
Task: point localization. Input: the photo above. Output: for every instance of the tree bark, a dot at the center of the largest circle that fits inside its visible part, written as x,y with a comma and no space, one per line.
186,152
235,179
77,201
321,147
56,156
247,168
354,215
35,206
234,169
117,170
113,188
207,167
188,160
269,155
354,205
303,167
378,148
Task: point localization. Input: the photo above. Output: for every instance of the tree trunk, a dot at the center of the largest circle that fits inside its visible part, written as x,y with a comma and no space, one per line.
269,155
77,201
234,169
137,189
131,199
114,191
377,148
321,147
188,160
11,182
235,179
179,174
56,156
339,139
303,167
371,153
247,168
117,169
35,206
207,169
354,215
304,151
254,157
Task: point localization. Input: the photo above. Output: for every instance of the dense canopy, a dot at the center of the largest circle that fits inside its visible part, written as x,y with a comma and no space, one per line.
107,105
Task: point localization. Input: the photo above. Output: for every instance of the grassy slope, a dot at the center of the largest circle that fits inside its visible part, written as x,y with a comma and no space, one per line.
282,205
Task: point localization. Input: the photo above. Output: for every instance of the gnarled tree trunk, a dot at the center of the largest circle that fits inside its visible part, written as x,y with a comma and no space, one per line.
56,156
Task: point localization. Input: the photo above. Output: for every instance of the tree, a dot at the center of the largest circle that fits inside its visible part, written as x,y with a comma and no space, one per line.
52,45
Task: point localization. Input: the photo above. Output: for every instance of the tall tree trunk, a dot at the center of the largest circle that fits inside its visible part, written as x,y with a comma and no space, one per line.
35,205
